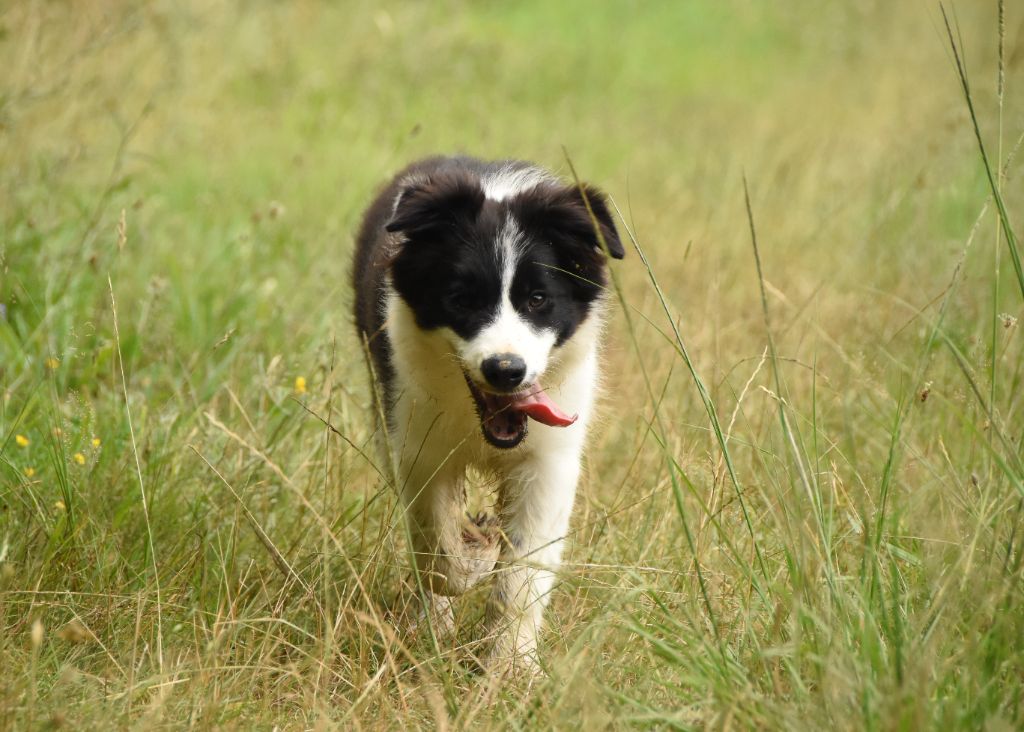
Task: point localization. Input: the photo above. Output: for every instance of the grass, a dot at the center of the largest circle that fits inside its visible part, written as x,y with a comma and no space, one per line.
802,506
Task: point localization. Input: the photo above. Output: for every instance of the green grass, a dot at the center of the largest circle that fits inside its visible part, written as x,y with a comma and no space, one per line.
825,533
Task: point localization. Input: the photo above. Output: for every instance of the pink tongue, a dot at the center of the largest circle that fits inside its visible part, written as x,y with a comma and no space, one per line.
538,406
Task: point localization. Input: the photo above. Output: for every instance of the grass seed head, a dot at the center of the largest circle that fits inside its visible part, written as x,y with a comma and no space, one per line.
37,633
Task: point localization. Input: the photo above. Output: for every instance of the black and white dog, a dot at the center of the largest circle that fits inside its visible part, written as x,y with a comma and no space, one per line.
480,290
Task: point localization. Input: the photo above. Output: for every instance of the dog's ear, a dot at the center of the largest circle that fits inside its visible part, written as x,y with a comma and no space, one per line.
435,202
563,212
599,206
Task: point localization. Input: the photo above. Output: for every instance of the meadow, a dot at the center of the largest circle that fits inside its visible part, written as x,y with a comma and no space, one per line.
802,505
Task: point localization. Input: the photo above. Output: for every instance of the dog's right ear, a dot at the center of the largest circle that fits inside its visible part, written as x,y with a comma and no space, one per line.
435,203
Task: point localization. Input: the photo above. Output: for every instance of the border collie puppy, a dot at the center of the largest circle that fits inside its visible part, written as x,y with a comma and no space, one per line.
480,288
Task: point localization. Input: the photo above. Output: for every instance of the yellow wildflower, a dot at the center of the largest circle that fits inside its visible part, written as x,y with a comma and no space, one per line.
95,441
29,472
21,440
52,363
300,384
79,458
59,505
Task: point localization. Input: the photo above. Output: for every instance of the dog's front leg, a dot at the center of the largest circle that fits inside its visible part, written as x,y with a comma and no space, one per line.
536,504
451,550
429,502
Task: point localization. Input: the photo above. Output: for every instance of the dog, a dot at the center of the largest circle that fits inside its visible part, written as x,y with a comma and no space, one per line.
480,294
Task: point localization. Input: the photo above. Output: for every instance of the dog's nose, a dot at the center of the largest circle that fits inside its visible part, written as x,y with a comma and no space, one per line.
504,371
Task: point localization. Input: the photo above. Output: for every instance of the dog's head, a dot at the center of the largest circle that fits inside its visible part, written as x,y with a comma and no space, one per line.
507,275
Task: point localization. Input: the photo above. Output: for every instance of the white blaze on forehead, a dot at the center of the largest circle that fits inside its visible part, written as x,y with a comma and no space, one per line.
511,180
510,245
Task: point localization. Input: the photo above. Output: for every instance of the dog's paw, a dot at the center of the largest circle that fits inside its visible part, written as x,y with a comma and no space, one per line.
481,544
481,529
413,613
466,555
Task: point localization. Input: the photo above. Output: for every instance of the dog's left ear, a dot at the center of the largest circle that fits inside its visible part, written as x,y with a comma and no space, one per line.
599,206
563,212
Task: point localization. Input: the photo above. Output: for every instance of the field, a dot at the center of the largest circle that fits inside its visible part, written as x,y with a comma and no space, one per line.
802,506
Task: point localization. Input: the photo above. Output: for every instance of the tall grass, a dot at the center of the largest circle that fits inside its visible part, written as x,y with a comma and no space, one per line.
802,505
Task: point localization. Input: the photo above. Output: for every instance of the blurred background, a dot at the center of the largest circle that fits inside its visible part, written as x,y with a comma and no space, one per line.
199,169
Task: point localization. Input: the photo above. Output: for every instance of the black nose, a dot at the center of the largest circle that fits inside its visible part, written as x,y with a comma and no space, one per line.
504,371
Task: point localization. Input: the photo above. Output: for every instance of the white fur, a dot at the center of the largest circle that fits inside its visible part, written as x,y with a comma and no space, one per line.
511,180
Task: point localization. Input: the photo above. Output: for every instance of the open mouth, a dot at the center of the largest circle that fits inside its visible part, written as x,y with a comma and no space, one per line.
503,417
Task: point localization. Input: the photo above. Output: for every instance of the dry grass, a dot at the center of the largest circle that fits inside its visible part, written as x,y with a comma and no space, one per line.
220,558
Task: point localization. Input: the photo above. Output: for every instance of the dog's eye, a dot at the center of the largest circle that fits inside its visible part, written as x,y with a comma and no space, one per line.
462,299
537,300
